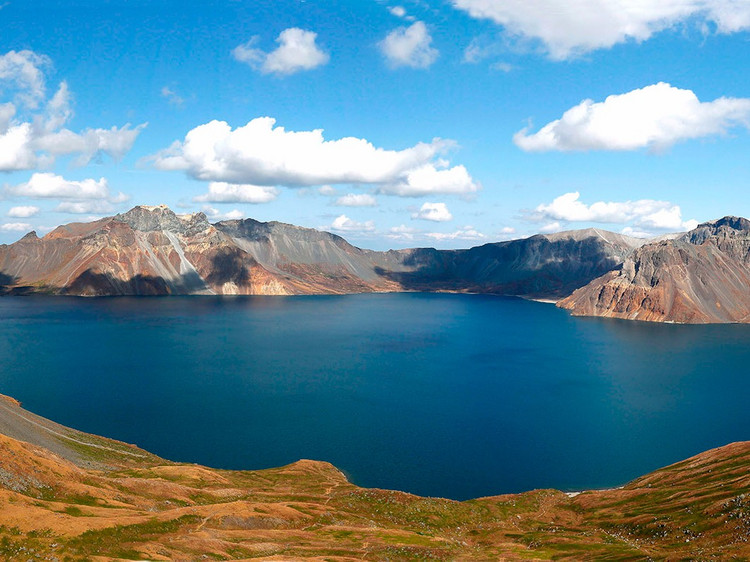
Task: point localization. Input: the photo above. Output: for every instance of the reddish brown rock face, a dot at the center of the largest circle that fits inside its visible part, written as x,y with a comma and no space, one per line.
152,251
143,252
701,277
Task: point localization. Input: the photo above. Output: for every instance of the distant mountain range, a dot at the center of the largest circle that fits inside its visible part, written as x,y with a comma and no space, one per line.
153,251
701,276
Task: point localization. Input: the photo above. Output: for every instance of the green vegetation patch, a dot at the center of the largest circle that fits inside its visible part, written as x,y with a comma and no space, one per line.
114,541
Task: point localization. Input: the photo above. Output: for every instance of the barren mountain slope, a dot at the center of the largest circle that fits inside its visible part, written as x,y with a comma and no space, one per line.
152,251
542,266
146,251
702,276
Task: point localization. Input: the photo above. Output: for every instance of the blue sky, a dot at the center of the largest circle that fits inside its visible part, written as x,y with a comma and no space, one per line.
448,123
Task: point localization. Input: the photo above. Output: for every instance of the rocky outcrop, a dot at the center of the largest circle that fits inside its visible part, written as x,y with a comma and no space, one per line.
146,251
153,251
700,277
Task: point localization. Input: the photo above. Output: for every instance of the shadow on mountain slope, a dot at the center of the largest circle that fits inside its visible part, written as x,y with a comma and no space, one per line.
9,286
230,265
90,283
535,267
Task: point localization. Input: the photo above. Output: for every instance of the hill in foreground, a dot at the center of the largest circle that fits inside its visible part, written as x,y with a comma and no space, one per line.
98,498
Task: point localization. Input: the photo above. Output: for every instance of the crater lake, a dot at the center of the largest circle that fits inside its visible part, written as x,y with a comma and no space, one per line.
449,395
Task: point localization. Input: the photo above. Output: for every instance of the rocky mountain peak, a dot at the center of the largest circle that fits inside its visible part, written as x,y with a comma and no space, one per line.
149,218
727,227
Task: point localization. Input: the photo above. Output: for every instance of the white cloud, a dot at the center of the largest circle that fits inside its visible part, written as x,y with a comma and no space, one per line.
23,212
47,185
342,223
551,227
84,207
215,214
636,232
119,198
7,111
397,11
409,46
23,71
171,96
476,50
296,51
507,230
645,214
402,232
568,29
656,116
35,137
115,142
356,200
437,212
260,153
15,227
465,233
429,180
327,190
223,192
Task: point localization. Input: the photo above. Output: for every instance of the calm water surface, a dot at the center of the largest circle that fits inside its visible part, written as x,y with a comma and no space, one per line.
449,395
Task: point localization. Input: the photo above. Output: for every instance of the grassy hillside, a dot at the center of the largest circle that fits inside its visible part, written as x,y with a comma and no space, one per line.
111,500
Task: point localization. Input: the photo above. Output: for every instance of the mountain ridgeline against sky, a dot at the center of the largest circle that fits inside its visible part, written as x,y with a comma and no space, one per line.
153,251
702,276
698,277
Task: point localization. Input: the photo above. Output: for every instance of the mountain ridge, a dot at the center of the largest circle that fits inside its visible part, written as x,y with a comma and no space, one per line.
150,250
702,276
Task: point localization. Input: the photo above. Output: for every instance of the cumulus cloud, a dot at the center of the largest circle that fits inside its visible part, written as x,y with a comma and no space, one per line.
47,185
23,212
644,214
432,179
342,223
15,227
465,233
327,190
436,212
356,200
297,51
409,46
223,192
397,11
260,153
656,116
32,128
568,29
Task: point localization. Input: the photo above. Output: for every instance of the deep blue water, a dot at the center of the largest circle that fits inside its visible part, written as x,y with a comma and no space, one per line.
446,395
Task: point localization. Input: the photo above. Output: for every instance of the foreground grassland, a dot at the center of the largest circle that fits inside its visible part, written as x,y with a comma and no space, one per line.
97,499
